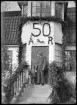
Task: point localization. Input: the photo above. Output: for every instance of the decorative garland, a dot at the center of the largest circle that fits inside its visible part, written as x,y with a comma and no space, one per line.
37,18
17,72
22,22
61,87
20,43
10,82
53,82
53,18
64,43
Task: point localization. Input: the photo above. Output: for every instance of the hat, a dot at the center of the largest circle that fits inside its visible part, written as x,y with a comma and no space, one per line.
40,53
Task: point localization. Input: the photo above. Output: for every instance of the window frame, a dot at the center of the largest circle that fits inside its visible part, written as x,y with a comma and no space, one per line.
67,60
41,3
58,58
58,14
23,8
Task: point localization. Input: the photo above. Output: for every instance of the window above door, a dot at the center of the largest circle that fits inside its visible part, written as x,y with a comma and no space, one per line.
43,8
40,8
58,10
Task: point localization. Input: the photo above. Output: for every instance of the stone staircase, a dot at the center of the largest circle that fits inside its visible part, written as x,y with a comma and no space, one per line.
35,94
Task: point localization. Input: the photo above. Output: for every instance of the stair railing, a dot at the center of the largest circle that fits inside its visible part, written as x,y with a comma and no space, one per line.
16,82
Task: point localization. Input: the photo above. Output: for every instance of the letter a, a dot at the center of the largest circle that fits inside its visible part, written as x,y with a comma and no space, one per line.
30,41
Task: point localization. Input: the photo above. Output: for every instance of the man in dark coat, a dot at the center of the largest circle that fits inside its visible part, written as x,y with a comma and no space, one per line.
41,63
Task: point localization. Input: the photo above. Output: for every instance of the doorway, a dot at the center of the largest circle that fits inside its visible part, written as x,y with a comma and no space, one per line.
45,51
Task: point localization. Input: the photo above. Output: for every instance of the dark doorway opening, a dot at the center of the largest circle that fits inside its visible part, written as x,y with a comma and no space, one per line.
45,51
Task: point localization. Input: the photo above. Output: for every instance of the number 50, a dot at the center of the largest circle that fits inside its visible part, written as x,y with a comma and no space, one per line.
45,24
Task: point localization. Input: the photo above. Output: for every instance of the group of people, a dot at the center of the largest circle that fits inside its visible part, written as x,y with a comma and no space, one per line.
37,71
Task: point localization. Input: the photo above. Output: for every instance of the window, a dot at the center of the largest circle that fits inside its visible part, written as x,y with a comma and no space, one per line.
58,56
71,34
70,60
36,8
40,8
58,10
9,58
25,9
46,8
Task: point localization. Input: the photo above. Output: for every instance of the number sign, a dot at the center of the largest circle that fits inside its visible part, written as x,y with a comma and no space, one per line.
43,29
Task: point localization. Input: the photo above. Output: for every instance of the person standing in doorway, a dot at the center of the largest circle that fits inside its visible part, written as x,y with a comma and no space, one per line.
41,63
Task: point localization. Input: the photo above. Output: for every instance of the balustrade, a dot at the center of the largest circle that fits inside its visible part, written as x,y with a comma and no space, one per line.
16,83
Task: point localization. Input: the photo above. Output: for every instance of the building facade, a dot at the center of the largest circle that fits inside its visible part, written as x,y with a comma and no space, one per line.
41,35
44,35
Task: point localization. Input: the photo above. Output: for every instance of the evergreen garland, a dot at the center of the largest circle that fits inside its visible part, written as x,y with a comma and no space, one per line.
61,87
64,43
53,82
22,22
10,82
37,18
20,43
